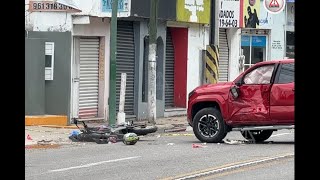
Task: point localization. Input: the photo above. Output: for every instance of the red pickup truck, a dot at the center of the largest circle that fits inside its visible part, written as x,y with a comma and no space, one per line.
259,101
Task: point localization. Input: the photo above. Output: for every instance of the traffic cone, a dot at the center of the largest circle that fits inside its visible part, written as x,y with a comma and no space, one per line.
29,137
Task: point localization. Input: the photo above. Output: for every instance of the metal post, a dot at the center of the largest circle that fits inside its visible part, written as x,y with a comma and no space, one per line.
121,114
152,62
113,58
214,23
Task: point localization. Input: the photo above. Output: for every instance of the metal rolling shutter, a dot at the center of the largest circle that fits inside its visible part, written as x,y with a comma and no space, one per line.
89,77
169,71
125,64
223,56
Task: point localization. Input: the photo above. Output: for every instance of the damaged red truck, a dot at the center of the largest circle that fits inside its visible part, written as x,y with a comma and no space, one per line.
259,101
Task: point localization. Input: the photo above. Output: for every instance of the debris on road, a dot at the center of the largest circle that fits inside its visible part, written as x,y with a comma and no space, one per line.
175,130
29,137
234,142
198,146
188,134
45,142
170,144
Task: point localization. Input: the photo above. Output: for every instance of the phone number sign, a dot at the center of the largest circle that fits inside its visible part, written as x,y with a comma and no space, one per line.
50,6
229,13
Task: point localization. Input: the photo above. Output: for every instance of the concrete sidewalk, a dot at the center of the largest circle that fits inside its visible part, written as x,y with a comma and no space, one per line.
59,135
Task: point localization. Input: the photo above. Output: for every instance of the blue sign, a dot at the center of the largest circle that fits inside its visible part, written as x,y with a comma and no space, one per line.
259,41
290,1
256,41
123,5
245,40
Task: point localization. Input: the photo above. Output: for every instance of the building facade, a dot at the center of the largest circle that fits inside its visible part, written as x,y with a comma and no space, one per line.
68,52
260,35
75,83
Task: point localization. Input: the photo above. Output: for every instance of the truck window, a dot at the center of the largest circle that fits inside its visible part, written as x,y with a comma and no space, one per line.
260,75
286,74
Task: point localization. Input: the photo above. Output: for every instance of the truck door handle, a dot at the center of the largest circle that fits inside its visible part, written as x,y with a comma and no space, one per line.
76,79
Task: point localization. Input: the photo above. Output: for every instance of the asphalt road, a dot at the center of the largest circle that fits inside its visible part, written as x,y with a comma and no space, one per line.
166,157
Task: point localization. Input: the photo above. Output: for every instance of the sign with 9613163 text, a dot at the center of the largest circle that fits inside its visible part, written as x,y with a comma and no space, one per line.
229,13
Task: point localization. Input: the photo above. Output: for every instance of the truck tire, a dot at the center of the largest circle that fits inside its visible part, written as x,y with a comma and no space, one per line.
209,126
259,135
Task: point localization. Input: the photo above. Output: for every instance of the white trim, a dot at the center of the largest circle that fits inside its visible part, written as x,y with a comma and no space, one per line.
50,53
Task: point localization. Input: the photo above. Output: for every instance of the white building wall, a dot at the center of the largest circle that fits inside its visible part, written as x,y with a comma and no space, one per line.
234,39
198,38
62,21
277,37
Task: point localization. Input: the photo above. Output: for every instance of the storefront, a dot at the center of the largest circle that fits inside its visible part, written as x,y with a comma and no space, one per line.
254,46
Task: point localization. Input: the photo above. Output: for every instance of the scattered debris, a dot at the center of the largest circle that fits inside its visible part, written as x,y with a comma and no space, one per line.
234,142
44,142
171,134
189,128
198,146
175,130
29,137
170,144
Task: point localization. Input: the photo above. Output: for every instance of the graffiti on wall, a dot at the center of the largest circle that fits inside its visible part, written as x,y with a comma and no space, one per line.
197,11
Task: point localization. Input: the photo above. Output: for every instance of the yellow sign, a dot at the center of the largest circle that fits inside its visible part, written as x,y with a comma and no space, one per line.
251,13
197,11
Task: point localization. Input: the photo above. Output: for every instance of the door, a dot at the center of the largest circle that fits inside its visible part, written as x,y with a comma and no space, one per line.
282,95
169,71
89,77
126,64
253,105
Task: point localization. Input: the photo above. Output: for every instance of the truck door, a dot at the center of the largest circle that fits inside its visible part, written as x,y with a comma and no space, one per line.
282,95
253,104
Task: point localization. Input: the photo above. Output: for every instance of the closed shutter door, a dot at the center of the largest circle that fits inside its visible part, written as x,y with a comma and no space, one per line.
169,71
89,77
125,64
223,56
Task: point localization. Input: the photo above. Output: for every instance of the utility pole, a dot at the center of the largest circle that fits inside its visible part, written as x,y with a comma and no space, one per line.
214,23
152,62
113,59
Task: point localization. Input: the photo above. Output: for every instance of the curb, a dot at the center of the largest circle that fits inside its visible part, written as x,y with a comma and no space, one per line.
57,126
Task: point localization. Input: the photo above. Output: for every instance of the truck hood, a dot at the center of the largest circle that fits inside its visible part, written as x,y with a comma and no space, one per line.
218,88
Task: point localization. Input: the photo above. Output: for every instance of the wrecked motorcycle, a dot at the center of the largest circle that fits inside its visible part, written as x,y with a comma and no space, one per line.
105,134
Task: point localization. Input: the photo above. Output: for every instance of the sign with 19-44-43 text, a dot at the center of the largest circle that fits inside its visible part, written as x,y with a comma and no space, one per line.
229,13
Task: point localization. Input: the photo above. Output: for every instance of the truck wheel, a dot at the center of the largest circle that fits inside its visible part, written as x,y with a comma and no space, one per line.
209,126
258,135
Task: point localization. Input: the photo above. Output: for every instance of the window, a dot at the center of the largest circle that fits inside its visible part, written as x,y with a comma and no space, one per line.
260,75
286,74
254,49
49,60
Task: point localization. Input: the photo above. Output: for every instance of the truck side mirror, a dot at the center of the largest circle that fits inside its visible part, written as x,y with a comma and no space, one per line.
235,92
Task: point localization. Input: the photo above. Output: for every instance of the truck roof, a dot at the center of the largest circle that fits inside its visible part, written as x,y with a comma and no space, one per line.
282,61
